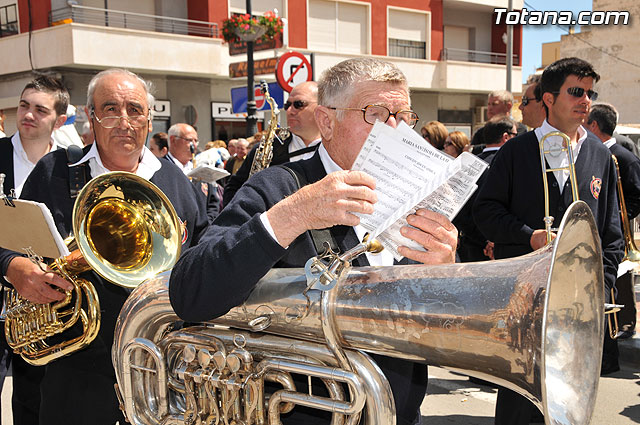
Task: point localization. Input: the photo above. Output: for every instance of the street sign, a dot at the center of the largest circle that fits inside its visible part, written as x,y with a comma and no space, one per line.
260,67
293,69
222,111
239,98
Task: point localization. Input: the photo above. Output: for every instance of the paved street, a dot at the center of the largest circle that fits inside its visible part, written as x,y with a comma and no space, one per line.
453,400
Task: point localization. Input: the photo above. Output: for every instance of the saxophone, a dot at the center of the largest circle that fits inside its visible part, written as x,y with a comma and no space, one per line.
264,153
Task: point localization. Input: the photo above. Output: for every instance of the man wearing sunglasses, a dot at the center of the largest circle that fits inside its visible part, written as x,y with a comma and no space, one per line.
275,219
510,205
78,389
302,142
533,112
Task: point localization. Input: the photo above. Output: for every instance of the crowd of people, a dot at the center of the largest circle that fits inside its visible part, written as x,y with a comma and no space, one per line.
237,229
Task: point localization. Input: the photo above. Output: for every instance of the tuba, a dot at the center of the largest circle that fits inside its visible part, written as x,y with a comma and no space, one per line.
127,231
533,324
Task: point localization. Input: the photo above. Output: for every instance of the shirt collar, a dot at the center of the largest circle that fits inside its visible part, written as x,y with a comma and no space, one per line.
610,142
19,149
547,128
147,167
329,164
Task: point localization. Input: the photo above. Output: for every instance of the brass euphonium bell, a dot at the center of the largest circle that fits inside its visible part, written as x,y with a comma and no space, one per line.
127,231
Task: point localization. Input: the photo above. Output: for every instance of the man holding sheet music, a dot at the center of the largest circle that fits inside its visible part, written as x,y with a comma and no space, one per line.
41,110
272,220
78,389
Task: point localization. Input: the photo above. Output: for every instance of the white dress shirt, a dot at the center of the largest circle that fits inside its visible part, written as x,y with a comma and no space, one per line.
186,168
296,144
384,258
147,167
556,158
22,167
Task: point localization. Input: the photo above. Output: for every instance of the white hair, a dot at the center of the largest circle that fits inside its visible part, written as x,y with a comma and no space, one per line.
96,78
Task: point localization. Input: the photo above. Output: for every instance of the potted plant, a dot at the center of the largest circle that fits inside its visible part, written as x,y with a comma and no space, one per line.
250,28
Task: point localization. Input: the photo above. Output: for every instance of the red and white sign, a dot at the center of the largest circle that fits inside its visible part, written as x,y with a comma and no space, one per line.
259,96
293,68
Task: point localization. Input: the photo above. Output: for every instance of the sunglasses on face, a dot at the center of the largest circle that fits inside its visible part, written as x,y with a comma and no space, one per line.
579,92
298,104
527,100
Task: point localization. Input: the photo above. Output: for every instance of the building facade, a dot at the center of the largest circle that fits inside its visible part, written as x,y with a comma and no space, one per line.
452,51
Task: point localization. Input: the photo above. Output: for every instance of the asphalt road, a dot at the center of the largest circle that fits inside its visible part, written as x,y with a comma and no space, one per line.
454,400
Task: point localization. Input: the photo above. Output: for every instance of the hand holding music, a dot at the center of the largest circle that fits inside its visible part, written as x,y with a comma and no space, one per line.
435,233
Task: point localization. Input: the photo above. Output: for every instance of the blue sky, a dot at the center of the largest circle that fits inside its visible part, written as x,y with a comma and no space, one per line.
534,36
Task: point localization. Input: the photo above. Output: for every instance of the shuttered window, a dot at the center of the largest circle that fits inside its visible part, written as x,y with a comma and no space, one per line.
338,27
408,33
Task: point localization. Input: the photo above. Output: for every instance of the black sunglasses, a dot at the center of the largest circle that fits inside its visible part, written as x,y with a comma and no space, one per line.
527,100
298,104
579,92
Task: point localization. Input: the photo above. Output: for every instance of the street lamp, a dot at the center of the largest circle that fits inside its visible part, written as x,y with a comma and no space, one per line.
252,118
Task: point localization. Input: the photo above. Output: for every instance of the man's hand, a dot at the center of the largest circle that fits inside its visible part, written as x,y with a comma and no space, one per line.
435,233
488,250
539,239
34,284
326,203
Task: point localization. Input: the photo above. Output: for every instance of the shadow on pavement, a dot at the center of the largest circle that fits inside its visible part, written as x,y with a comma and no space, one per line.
456,420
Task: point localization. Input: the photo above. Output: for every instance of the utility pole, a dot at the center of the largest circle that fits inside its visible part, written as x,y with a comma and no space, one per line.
509,48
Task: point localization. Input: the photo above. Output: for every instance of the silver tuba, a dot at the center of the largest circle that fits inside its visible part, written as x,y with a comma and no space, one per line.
533,324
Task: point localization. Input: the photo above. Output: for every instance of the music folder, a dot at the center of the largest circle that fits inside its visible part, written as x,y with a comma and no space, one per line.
28,225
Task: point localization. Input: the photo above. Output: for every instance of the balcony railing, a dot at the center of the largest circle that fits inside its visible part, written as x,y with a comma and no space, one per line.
138,21
476,56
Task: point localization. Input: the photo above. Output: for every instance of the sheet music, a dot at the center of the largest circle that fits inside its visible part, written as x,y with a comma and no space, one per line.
411,174
207,173
29,224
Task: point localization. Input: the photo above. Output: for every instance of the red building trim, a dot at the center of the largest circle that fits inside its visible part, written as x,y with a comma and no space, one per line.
208,11
39,14
498,46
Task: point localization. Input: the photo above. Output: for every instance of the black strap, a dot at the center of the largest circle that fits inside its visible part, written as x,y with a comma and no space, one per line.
320,237
77,174
304,150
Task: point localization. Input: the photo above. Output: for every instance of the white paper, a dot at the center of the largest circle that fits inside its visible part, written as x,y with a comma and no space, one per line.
411,174
207,173
29,224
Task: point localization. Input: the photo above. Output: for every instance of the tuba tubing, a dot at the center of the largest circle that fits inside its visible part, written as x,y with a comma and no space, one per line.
533,324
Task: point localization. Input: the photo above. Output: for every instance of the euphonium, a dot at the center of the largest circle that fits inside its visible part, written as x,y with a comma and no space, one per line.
533,324
126,230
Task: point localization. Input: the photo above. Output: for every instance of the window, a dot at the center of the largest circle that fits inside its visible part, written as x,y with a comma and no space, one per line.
408,33
338,27
8,20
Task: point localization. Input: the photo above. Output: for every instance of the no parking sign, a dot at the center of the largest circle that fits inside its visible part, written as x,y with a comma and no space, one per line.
293,68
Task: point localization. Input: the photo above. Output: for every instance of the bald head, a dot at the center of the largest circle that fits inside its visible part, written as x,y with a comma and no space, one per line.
302,102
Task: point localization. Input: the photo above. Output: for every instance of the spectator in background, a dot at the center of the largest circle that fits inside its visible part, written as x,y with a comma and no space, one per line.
456,143
67,134
435,133
231,147
499,102
86,134
234,163
159,144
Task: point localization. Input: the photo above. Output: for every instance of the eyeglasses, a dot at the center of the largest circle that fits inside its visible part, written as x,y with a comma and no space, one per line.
113,121
579,92
527,100
188,139
298,104
371,113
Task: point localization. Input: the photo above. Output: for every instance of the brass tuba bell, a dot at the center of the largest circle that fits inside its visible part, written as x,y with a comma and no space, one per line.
127,231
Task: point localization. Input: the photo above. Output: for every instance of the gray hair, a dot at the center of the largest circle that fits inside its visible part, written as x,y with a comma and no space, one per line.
504,95
338,83
94,83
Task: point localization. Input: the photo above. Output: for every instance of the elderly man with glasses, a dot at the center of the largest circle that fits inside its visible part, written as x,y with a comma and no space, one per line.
78,389
272,220
302,142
